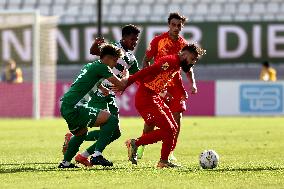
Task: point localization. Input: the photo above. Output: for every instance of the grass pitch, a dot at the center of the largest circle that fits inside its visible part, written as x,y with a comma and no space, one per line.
251,154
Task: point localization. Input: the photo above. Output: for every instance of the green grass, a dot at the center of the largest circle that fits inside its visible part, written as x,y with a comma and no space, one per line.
251,156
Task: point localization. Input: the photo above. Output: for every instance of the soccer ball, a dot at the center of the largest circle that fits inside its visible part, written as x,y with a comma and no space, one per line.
208,159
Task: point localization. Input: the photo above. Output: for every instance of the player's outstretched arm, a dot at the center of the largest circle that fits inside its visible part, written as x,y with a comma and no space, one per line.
119,84
191,79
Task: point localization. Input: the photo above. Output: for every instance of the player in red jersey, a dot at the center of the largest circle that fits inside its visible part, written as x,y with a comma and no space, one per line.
170,43
153,80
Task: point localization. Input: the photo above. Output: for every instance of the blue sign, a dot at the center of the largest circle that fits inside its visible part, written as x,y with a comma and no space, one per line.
261,98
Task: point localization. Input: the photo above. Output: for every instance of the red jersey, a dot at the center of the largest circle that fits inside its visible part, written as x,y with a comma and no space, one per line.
163,45
157,76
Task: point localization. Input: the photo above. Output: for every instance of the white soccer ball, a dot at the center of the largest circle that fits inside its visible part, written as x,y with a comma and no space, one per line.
209,159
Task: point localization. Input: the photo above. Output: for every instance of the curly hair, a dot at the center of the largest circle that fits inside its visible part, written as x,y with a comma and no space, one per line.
109,49
176,15
193,48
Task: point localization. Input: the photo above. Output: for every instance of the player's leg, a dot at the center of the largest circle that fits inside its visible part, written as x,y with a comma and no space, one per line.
108,126
140,150
177,106
113,109
166,162
98,102
73,147
78,120
85,117
166,132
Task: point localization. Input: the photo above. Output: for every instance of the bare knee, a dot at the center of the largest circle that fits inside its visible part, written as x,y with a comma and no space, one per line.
102,118
80,132
148,128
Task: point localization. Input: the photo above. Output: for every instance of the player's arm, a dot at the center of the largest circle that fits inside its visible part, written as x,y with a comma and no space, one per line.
119,84
103,89
151,52
191,79
95,48
153,69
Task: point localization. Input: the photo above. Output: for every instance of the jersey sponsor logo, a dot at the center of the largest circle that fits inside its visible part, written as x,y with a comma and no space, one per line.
160,82
259,98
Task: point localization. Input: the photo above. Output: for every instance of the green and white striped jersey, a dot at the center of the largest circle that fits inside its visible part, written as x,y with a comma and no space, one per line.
128,61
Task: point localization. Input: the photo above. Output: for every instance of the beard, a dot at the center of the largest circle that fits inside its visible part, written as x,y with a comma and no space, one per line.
185,67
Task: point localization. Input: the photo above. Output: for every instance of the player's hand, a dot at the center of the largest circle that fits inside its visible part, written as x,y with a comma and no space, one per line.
104,90
184,97
193,89
95,48
99,40
120,89
125,73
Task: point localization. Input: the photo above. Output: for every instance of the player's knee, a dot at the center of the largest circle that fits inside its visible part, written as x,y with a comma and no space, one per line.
80,132
148,128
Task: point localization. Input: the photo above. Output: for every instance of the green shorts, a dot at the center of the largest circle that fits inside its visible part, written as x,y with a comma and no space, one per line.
106,103
79,116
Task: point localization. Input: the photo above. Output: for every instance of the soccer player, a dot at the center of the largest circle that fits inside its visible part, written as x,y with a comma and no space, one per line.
79,118
153,109
170,43
102,97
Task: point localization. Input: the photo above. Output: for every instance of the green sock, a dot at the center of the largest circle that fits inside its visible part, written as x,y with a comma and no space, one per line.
106,132
115,135
93,135
73,147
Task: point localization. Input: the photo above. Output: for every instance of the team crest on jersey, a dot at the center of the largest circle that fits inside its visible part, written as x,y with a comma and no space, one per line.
165,66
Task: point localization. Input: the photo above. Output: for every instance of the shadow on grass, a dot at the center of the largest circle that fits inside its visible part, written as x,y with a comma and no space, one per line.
52,167
230,169
18,164
123,166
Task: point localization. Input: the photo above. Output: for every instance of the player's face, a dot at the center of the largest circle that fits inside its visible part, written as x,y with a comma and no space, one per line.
188,59
175,26
130,41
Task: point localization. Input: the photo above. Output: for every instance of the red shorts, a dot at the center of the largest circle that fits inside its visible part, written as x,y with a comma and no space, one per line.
176,104
150,106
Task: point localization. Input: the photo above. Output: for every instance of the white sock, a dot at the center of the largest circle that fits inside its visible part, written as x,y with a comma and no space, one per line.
66,163
85,154
96,153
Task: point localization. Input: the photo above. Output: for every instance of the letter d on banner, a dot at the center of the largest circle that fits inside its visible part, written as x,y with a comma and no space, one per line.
223,51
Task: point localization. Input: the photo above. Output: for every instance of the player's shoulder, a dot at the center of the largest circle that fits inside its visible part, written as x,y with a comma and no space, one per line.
95,65
172,57
160,36
169,58
182,40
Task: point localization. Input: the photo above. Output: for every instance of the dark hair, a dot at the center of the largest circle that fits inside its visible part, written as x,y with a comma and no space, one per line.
130,29
266,64
193,48
110,49
176,15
